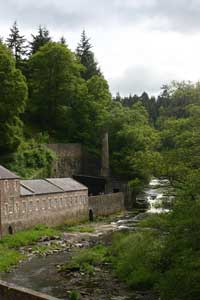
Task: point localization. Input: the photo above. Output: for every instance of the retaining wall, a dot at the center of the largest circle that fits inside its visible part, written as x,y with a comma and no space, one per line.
9,291
103,205
69,159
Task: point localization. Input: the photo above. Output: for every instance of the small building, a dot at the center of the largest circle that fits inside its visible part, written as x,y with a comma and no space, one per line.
51,201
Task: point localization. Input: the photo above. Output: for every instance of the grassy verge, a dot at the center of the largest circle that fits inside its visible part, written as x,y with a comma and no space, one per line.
10,244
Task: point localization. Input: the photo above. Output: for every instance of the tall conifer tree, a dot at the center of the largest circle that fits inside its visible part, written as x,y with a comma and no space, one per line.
86,57
40,39
16,43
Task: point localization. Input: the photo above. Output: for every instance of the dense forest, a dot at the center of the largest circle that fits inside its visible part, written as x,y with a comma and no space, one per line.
50,94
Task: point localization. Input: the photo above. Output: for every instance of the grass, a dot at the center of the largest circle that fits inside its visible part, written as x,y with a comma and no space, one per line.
8,258
156,221
74,295
28,237
10,244
87,259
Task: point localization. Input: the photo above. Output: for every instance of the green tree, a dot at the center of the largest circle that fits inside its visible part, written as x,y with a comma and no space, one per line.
86,57
40,39
16,43
55,84
13,96
133,143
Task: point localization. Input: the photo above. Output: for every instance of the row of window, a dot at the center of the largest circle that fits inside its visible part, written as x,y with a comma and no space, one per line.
11,183
43,204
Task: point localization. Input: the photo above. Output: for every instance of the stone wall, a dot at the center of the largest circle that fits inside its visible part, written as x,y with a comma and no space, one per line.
9,291
74,159
49,209
69,160
9,196
107,204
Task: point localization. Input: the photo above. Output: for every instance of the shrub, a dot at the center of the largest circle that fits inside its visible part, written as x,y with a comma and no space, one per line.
136,258
32,160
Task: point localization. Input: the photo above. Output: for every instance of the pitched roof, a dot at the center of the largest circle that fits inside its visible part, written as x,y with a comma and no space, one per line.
25,192
40,186
6,174
67,184
49,186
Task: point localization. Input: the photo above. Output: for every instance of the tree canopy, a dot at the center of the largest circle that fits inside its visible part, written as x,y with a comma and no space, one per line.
13,97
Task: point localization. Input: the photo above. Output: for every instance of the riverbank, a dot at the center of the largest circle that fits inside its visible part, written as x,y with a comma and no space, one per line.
49,254
93,277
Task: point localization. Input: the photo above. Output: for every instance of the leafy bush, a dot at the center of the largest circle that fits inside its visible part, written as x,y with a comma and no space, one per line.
136,258
32,160
74,295
87,259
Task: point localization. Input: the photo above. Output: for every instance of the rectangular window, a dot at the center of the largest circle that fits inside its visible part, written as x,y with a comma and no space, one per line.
37,205
6,209
17,208
44,205
23,207
30,206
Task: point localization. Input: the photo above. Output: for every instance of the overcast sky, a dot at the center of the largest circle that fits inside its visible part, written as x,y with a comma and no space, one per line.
139,44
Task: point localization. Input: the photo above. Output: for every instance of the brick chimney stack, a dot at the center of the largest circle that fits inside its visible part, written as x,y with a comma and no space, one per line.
105,155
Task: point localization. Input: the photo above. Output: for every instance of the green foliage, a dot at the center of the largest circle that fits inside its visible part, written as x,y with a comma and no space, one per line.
13,97
40,39
8,258
166,257
16,43
32,159
180,141
136,258
133,143
156,221
27,237
86,259
74,295
53,83
10,244
86,57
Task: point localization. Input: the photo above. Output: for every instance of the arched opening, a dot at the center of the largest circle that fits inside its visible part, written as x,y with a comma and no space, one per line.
10,229
91,216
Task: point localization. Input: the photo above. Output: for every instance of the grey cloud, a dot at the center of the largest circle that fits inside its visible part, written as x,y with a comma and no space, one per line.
180,15
138,79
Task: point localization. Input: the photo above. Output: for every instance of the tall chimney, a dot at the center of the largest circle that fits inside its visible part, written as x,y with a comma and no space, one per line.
105,155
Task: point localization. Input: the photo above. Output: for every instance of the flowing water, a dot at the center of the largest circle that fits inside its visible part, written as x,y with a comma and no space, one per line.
40,273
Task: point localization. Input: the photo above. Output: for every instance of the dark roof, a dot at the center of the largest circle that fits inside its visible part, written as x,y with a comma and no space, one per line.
40,186
67,184
24,191
49,186
6,174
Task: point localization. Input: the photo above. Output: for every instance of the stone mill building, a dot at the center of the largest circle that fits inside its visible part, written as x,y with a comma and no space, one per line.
50,201
25,203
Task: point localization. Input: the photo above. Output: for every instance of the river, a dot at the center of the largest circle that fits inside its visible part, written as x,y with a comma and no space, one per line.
40,273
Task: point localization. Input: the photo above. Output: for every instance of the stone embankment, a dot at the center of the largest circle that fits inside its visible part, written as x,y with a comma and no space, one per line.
10,291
